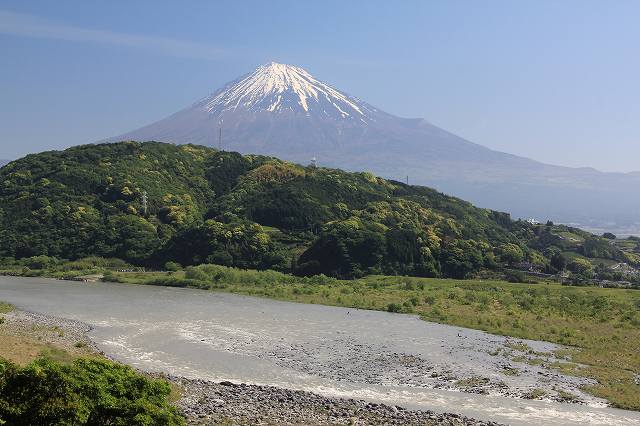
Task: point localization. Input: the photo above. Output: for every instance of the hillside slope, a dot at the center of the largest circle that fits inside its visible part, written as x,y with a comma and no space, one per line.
150,203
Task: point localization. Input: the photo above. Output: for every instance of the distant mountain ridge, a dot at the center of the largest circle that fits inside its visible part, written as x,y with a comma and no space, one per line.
282,110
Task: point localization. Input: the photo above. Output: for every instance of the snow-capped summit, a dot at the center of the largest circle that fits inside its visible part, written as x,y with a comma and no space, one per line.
277,109
278,87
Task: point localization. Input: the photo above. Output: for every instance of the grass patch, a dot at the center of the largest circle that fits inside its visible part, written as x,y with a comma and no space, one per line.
569,368
535,394
19,350
511,371
564,396
535,361
176,392
5,307
519,346
58,355
473,382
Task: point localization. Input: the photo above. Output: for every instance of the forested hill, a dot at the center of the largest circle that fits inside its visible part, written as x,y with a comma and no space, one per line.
150,203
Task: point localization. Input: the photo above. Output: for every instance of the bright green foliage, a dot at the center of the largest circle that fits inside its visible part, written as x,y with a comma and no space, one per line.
86,392
510,253
152,203
172,266
216,276
581,266
5,307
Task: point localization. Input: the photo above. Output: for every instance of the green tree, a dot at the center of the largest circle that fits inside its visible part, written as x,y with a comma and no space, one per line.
581,266
510,253
172,266
598,247
460,258
558,261
344,249
131,238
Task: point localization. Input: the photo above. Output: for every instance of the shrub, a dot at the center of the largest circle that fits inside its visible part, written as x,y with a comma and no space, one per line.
176,282
510,253
86,392
92,262
193,273
429,300
111,277
229,275
394,307
172,266
581,266
39,262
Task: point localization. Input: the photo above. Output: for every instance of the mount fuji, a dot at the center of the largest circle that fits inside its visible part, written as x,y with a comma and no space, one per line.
284,111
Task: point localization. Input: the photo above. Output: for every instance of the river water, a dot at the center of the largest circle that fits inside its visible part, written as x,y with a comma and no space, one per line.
333,351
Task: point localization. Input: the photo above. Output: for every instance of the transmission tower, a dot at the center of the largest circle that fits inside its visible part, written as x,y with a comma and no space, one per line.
144,202
220,135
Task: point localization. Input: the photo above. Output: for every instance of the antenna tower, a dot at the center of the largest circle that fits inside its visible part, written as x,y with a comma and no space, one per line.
144,202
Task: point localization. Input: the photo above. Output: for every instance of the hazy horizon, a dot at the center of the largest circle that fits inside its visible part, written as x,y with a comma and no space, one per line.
555,82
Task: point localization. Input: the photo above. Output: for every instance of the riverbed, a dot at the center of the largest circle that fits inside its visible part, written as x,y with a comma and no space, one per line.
375,356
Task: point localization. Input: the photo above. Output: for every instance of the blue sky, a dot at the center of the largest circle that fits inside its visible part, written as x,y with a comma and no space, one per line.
556,81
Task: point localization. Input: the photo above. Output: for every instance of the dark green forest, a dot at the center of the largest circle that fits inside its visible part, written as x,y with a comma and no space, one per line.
152,203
